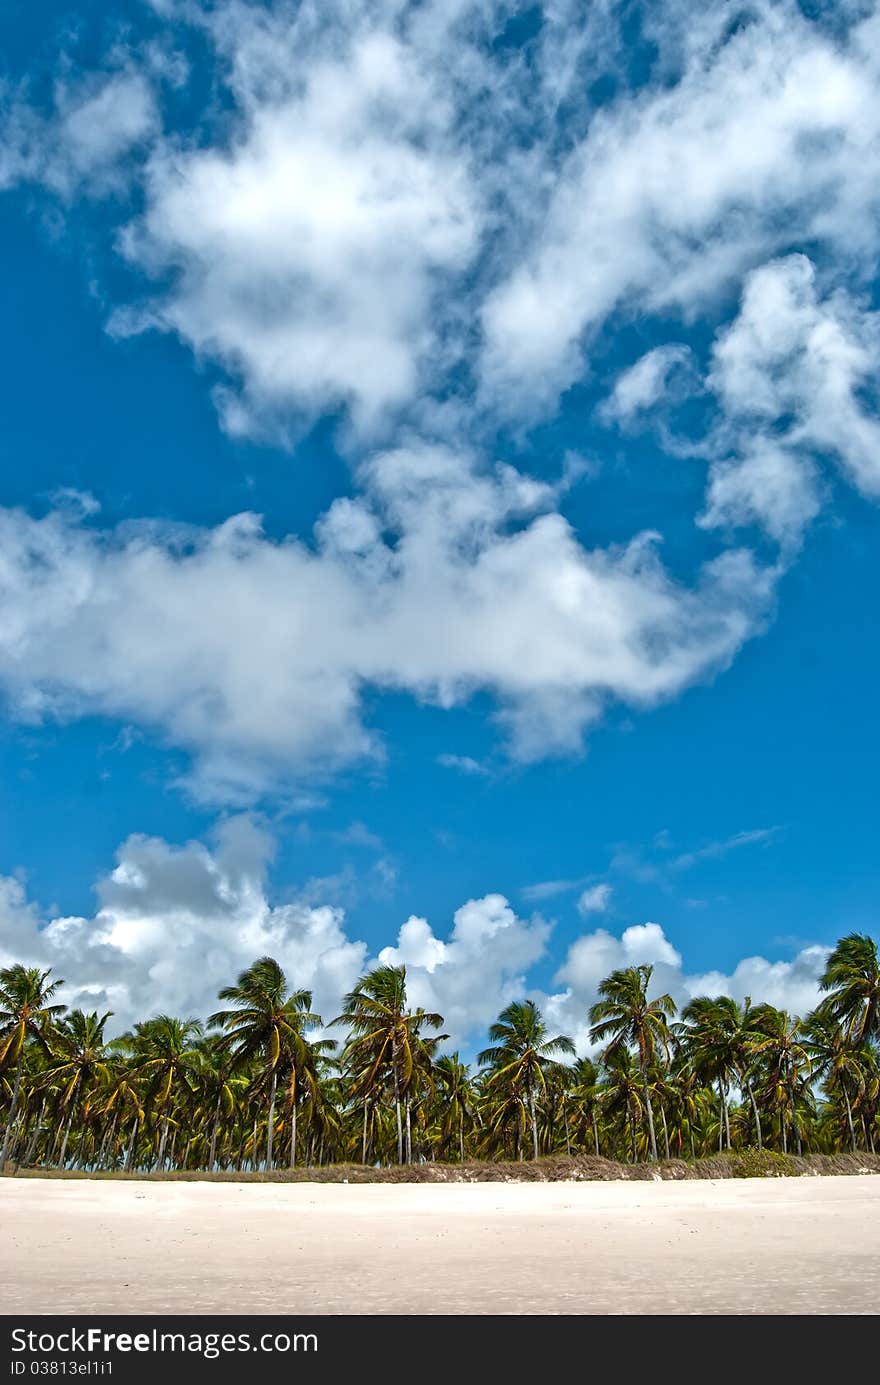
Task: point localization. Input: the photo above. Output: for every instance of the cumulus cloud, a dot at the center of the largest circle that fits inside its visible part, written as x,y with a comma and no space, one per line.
792,986
175,923
442,579
308,250
471,977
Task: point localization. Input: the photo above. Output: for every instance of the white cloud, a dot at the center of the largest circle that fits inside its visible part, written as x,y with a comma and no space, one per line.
712,851
307,250
175,923
805,365
793,986
482,967
674,191
548,889
253,654
81,144
595,900
465,764
644,384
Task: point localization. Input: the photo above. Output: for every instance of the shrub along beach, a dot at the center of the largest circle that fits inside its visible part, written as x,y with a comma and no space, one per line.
260,1088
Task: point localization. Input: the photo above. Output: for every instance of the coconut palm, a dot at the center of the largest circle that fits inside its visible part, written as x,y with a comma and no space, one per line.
780,1045
456,1099
79,1061
268,1022
627,1018
852,980
385,1041
164,1054
26,1012
718,1037
520,1053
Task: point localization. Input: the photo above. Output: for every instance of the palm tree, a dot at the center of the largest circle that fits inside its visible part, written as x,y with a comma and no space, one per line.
779,1043
165,1054
79,1059
719,1039
626,1017
840,1065
520,1053
25,1013
852,979
266,1022
586,1094
385,1039
456,1088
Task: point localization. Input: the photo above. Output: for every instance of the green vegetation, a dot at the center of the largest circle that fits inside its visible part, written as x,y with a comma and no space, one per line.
722,1089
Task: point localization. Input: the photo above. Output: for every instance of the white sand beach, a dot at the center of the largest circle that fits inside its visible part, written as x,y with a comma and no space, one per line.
808,1245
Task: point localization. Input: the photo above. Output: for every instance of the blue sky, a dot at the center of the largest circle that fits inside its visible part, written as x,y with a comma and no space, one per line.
545,349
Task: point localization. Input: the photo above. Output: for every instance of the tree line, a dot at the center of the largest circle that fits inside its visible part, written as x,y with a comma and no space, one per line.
260,1086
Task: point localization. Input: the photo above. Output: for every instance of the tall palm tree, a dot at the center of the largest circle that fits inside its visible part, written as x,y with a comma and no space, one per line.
79,1060
457,1096
165,1055
268,1022
852,980
519,1054
719,1039
627,1018
780,1044
840,1064
385,1038
26,1012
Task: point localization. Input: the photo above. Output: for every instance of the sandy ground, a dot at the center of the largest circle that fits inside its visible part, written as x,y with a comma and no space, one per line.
740,1246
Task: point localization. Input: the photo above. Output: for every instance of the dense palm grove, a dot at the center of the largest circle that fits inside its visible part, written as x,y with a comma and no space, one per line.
258,1087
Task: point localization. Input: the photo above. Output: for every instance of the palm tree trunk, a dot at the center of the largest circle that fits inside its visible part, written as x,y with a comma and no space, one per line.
270,1134
722,1105
665,1130
107,1142
364,1139
134,1131
756,1114
66,1135
215,1130
567,1136
461,1137
399,1129
795,1125
35,1135
849,1119
650,1112
293,1137
534,1124
13,1111
408,1128
163,1139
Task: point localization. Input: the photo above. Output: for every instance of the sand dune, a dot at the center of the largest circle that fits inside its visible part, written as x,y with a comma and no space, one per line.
738,1246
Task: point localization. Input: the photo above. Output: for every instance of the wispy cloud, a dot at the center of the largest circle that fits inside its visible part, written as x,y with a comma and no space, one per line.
465,764
761,836
595,900
550,889
358,834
